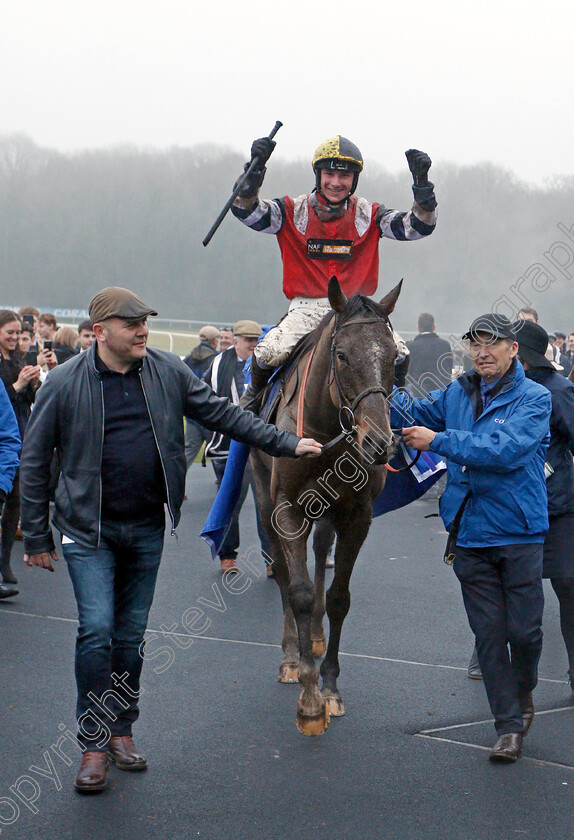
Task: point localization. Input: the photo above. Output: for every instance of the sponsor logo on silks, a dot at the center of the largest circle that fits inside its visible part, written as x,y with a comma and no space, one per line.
499,420
329,249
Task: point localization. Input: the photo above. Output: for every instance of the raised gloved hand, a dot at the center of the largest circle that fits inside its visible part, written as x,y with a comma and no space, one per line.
262,149
419,164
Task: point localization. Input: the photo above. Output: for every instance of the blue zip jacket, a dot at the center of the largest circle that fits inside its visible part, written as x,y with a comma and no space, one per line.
498,454
10,442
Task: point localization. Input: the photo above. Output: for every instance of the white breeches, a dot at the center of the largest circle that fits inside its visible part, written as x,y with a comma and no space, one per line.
303,316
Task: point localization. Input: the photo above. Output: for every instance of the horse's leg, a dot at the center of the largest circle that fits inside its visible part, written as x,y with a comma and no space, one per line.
350,537
312,714
289,668
323,537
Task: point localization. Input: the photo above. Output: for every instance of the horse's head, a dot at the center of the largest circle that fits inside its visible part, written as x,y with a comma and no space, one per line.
363,356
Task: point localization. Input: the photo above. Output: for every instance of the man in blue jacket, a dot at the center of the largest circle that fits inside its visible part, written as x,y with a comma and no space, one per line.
9,456
492,426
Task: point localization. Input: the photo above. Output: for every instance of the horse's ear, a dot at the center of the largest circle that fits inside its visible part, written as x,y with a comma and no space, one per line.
337,299
389,301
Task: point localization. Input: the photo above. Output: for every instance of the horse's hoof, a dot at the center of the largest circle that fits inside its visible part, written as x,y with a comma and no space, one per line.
319,647
314,724
335,705
288,673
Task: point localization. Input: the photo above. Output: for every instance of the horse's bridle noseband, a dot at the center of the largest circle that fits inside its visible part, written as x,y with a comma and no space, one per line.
346,406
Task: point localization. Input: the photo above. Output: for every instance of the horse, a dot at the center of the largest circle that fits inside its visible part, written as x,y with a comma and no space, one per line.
338,392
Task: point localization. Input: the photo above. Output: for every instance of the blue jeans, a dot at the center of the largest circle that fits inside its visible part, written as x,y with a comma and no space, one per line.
114,587
504,600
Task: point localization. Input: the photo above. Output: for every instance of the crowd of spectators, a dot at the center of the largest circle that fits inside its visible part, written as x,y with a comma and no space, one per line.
518,368
31,345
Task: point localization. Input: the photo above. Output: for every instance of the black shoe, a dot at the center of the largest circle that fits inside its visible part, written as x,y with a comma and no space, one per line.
7,591
473,671
507,748
8,575
527,708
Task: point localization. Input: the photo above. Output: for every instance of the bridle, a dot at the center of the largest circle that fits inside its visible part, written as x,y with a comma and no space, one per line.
347,407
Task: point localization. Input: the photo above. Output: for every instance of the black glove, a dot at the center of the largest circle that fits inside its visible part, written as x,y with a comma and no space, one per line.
2,497
262,149
251,185
419,164
401,370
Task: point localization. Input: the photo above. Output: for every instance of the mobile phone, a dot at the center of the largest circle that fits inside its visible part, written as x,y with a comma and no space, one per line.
31,358
28,319
48,344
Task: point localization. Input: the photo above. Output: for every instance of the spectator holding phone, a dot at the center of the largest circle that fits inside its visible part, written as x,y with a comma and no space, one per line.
21,381
29,316
47,326
25,343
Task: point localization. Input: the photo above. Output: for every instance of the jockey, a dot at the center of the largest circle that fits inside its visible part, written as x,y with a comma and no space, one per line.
331,231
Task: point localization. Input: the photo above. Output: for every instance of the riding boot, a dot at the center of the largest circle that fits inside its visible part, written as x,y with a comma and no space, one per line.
253,396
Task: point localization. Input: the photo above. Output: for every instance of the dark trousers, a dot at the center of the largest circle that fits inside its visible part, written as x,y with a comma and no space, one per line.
9,522
230,544
195,436
504,601
114,587
564,588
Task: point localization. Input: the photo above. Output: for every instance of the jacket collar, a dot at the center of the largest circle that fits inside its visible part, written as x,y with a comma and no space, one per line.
541,375
470,382
90,358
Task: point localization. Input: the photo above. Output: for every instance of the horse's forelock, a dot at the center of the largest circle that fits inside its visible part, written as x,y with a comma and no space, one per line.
356,305
361,305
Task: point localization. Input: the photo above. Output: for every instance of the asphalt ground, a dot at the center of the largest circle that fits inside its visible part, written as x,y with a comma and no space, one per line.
409,760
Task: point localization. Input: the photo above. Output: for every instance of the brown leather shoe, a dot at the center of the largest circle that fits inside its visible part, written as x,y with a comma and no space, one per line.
228,564
507,748
122,751
91,776
527,708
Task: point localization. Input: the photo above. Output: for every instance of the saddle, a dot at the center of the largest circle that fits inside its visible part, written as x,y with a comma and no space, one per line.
275,389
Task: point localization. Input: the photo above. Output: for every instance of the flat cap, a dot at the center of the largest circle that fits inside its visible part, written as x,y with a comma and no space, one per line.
115,302
208,333
492,324
247,329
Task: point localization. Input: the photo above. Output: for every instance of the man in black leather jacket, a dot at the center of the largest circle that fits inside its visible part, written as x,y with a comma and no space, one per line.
115,416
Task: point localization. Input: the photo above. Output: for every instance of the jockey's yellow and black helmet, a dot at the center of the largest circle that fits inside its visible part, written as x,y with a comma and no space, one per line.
337,153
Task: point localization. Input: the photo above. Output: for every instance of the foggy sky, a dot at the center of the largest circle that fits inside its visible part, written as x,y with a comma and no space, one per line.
489,82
